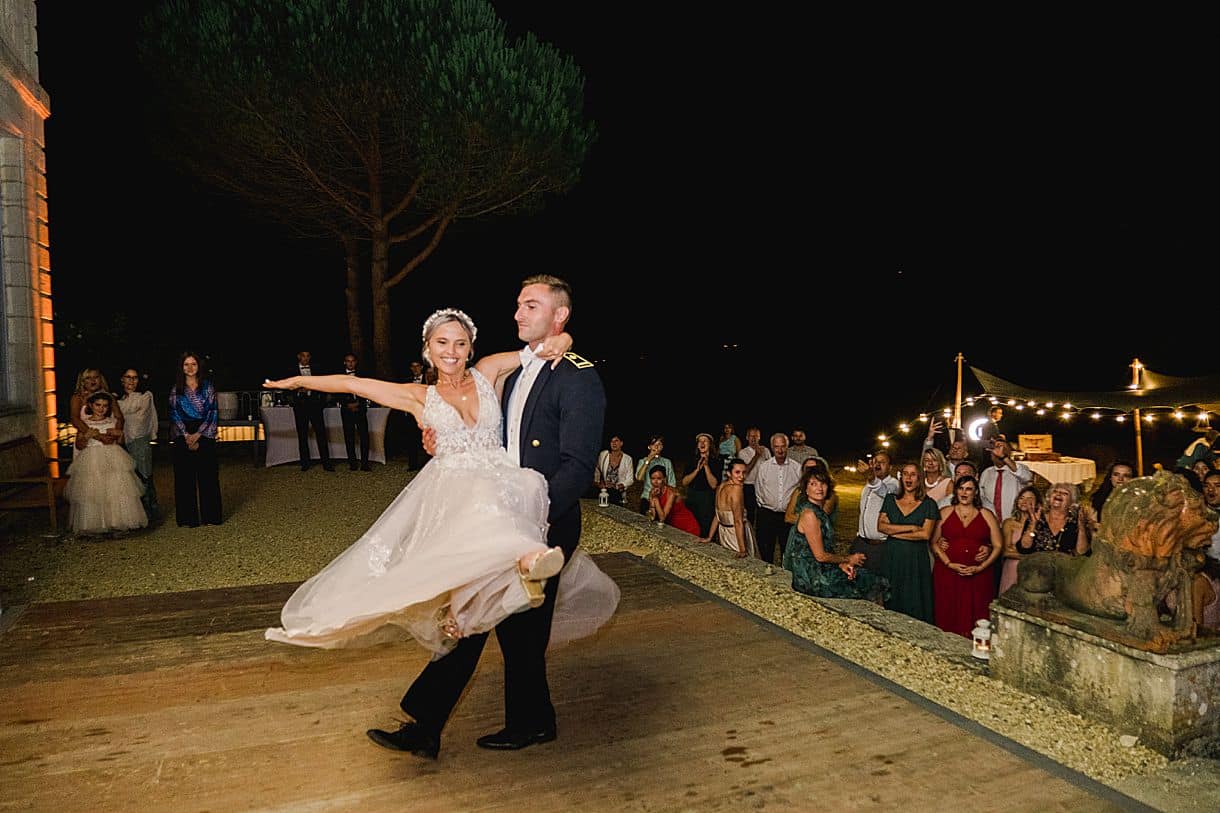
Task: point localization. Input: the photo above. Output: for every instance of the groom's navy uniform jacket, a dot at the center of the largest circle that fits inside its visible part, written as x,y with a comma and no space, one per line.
561,430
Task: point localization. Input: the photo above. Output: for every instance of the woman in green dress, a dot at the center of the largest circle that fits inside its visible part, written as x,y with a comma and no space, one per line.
816,569
908,519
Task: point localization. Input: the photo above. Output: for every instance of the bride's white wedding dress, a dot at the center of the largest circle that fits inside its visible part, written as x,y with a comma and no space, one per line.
449,542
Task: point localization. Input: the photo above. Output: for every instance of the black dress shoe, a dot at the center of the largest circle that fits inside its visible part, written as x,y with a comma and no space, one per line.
410,738
507,740
328,467
365,467
304,467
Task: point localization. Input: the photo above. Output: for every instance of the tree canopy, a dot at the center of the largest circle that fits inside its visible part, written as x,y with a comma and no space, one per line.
378,123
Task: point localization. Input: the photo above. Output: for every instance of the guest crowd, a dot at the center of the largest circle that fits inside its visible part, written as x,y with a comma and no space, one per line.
937,537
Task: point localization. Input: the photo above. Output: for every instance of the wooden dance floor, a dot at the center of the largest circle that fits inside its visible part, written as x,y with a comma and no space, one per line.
683,702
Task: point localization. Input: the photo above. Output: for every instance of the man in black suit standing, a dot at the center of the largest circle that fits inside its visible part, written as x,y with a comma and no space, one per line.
414,442
354,411
307,410
552,424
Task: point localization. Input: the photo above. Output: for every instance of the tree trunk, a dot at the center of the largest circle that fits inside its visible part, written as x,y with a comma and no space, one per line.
355,317
379,269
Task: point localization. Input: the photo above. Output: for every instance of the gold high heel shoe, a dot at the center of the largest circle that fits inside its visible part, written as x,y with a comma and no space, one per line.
545,565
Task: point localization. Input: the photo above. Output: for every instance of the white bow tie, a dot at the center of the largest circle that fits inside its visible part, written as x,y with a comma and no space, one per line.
527,356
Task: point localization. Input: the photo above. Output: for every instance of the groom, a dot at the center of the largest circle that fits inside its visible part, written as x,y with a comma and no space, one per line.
552,424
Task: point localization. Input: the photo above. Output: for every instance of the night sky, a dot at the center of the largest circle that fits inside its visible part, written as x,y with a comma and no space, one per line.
784,221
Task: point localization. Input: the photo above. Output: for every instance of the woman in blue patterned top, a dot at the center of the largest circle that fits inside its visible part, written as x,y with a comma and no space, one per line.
193,418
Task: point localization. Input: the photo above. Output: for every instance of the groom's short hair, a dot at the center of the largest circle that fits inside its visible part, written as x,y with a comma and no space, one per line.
558,287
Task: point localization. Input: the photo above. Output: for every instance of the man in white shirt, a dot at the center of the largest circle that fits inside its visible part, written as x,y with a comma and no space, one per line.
869,540
752,454
776,480
1000,482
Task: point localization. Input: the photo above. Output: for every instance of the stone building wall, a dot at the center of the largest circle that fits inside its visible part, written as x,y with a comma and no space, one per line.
27,365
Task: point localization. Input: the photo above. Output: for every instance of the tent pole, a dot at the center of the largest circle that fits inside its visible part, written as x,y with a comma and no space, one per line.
1139,447
957,399
1136,367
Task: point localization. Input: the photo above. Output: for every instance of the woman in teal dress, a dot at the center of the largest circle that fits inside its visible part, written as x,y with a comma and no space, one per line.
809,555
908,519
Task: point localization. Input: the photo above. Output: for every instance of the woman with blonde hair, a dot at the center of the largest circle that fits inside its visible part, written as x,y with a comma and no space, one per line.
1061,527
937,480
89,381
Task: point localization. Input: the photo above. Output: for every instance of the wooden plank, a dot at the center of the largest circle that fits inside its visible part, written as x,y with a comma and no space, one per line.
681,702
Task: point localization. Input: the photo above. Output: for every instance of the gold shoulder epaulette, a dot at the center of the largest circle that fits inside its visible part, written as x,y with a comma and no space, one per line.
580,362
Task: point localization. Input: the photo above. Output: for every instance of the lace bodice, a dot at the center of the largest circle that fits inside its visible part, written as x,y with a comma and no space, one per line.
101,426
458,444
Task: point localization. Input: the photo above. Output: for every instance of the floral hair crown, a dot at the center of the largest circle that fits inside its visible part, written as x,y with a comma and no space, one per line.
447,314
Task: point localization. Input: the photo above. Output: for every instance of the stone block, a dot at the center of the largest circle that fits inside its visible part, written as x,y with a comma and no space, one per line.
1166,700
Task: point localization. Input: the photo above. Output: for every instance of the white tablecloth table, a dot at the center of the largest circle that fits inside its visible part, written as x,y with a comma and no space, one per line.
1075,470
280,429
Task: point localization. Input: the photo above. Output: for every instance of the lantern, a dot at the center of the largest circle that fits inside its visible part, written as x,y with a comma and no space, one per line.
981,637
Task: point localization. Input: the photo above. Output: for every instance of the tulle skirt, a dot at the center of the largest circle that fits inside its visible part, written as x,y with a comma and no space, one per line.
104,491
449,543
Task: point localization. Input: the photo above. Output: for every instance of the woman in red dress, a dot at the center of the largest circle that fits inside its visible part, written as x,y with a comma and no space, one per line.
664,505
963,583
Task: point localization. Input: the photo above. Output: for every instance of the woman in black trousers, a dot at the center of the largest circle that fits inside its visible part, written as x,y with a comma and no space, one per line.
194,416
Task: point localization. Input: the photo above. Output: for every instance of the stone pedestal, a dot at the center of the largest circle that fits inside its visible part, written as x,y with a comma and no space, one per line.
1165,700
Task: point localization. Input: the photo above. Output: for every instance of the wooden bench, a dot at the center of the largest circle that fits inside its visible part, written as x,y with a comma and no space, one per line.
25,477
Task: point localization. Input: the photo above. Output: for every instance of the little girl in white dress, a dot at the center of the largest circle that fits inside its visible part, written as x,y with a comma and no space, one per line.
103,488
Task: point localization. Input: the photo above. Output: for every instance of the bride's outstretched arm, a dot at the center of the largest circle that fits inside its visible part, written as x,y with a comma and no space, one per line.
407,397
496,367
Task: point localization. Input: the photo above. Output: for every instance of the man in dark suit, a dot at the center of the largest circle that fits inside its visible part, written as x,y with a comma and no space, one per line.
307,410
354,411
414,442
552,424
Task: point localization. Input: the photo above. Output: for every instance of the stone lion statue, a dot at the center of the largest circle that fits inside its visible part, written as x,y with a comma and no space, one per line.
1152,539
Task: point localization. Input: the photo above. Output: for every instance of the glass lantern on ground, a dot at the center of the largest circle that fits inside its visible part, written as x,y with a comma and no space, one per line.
980,638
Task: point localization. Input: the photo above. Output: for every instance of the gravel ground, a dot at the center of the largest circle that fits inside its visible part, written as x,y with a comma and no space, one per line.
282,525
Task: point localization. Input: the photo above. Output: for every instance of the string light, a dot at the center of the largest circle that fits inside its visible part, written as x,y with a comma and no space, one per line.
1065,412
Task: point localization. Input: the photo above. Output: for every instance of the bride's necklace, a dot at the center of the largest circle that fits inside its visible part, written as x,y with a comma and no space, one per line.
459,384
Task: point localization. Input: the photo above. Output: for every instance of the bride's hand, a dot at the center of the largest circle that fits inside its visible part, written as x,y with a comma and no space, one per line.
553,347
282,384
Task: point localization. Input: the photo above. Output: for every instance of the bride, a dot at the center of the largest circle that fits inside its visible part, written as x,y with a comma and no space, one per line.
462,546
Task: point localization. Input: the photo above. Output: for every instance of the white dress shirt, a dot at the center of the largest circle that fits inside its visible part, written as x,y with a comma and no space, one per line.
775,483
747,454
872,496
530,367
1012,483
